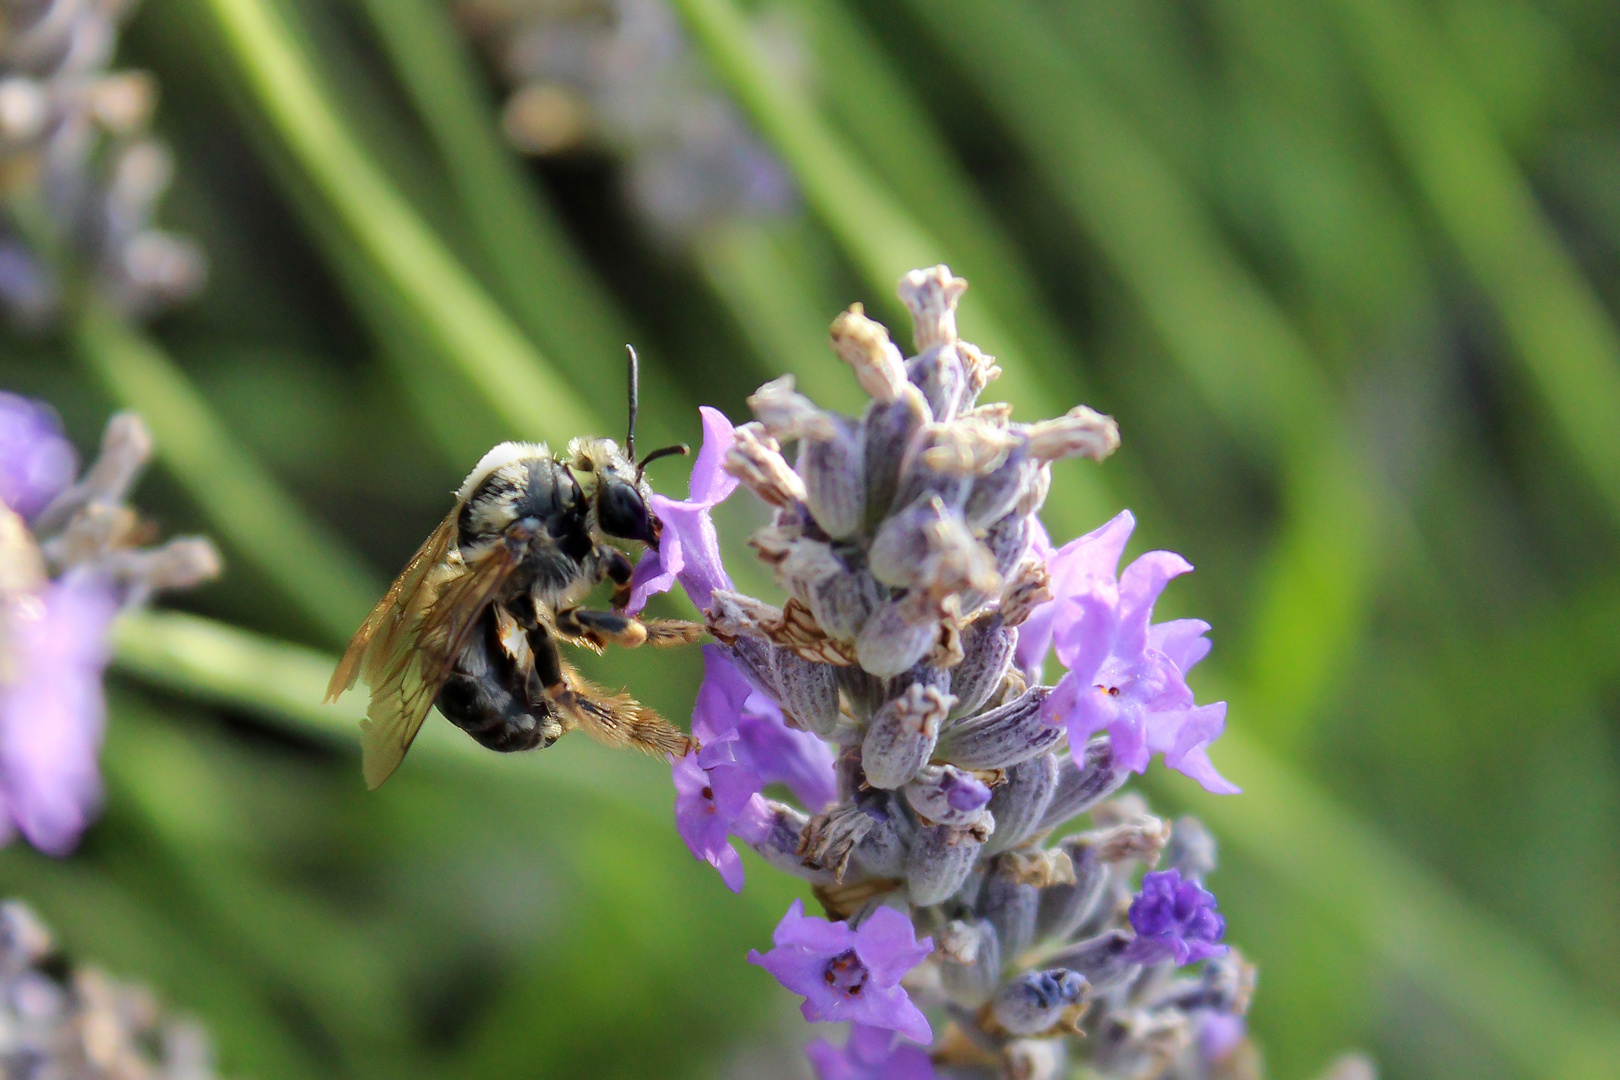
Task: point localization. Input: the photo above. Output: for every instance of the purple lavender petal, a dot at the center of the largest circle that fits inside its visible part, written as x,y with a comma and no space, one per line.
37,463
780,754
963,791
689,549
833,967
1139,587
711,485
1182,641
51,716
1183,738
888,944
707,803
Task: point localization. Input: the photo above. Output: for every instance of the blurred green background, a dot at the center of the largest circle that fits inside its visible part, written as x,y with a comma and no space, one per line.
1346,272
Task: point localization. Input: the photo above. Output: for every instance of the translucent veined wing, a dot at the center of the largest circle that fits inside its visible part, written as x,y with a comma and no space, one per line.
388,626
404,689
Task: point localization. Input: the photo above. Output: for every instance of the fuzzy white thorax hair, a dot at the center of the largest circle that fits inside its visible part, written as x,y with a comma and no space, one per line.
504,454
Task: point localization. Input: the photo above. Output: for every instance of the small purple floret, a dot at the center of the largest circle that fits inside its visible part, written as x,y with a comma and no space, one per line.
849,974
36,461
708,804
689,549
52,711
964,792
1174,919
870,1053
1125,674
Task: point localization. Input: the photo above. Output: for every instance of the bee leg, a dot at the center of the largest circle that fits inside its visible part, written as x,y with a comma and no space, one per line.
618,571
616,720
603,628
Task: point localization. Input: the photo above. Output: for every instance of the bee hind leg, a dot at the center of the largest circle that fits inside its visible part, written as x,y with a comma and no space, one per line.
616,720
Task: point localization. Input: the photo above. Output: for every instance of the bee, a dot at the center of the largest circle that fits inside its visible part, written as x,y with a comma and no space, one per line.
472,624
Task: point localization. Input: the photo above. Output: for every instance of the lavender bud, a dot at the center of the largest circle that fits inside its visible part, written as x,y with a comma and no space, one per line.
788,415
931,296
834,472
777,841
1007,540
1192,849
1035,1059
890,431
940,860
865,346
894,638
1010,906
806,691
969,963
901,737
987,652
945,795
1019,803
1135,838
864,692
1064,909
1035,1001
907,540
996,492
1002,737
1101,960
882,852
829,839
1080,787
755,458
843,601
1081,432
938,372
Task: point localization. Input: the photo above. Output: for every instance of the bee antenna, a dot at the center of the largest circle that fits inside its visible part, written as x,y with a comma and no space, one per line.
667,451
635,403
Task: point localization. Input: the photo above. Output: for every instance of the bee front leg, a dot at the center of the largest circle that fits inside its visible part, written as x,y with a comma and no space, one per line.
619,571
603,628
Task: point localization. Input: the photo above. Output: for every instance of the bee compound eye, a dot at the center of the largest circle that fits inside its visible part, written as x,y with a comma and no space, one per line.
621,512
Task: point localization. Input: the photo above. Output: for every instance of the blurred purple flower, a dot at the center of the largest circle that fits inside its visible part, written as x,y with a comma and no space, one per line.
1220,1034
869,1053
52,710
849,974
36,461
688,550
1174,919
1126,675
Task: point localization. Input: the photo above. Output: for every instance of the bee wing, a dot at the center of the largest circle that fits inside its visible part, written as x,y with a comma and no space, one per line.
411,679
385,629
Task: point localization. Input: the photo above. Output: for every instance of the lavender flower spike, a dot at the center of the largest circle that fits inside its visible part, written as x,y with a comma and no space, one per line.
53,633
849,974
869,1054
1174,919
688,550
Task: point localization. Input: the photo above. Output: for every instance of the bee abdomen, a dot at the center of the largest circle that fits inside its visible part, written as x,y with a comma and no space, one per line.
486,697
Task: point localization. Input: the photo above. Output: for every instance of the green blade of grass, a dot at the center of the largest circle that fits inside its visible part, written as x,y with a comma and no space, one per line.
543,279
1562,335
247,507
474,332
880,238
1506,988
